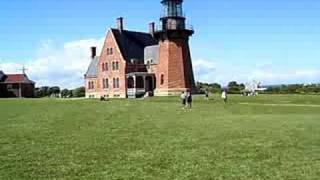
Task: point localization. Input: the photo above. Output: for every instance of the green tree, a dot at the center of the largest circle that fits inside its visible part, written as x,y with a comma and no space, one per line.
64,93
234,88
79,92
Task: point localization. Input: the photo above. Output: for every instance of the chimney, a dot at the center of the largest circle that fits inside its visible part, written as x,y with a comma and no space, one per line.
120,23
151,28
93,52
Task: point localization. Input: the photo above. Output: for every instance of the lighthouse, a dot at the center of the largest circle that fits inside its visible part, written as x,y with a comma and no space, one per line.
174,72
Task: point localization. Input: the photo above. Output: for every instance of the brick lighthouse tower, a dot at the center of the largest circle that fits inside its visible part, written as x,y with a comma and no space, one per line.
174,71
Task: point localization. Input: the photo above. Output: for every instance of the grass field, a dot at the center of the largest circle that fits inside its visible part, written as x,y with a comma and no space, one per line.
266,137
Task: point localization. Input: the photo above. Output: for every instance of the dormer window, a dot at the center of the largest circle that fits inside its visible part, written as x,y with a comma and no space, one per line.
148,64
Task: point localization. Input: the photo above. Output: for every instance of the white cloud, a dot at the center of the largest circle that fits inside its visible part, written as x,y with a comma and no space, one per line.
204,70
64,67
267,73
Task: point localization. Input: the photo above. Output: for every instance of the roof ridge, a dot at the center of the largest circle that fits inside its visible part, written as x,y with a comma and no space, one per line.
134,31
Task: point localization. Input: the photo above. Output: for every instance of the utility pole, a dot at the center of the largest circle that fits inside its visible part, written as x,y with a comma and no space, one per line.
23,69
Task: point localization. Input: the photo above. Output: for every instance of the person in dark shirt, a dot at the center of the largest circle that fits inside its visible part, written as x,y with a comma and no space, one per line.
189,99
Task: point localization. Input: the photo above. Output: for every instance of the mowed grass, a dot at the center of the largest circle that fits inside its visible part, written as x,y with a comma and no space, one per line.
267,137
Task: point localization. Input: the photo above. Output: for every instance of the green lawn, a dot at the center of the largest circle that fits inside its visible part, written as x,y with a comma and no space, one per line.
266,137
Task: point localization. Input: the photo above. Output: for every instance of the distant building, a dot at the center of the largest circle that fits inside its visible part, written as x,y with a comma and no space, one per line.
253,88
16,85
134,64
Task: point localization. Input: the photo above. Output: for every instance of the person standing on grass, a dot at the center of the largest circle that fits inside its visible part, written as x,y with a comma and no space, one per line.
183,99
224,96
189,99
207,94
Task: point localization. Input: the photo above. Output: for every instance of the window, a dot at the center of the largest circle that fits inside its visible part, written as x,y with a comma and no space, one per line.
113,66
109,51
148,65
103,67
162,79
116,83
106,67
117,65
91,85
107,83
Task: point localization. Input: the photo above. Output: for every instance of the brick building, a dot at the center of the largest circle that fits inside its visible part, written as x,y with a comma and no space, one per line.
16,85
132,64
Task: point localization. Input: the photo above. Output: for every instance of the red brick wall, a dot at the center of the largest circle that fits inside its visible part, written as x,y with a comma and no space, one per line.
116,56
176,67
91,92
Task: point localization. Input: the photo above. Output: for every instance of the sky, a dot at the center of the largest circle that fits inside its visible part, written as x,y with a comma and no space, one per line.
274,41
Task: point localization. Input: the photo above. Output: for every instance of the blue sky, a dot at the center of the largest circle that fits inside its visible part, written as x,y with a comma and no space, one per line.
274,41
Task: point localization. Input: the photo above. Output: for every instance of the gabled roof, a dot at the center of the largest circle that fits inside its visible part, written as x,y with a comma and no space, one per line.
17,78
93,67
132,43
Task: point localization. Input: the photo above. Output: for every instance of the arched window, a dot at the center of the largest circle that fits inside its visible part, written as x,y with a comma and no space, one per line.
103,67
162,79
106,67
114,83
111,51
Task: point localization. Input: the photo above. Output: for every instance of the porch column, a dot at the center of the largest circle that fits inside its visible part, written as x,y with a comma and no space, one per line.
20,91
134,82
144,82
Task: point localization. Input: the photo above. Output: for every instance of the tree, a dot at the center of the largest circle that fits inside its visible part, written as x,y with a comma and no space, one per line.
45,91
54,90
234,88
215,88
79,92
70,94
64,93
212,88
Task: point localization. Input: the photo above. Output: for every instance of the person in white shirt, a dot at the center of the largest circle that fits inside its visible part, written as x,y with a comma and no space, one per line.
189,99
183,99
224,96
